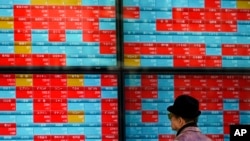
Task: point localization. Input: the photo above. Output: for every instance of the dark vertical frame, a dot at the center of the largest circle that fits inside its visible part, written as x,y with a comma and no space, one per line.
120,68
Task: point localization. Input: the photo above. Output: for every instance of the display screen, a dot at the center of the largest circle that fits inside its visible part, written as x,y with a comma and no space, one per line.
58,107
187,33
57,33
224,100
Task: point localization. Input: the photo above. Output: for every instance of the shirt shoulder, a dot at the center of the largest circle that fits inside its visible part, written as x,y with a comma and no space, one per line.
191,134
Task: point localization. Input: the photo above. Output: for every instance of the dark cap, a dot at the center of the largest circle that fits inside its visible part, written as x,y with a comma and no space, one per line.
185,106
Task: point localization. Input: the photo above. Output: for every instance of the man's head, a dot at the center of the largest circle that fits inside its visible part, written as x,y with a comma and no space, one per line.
185,109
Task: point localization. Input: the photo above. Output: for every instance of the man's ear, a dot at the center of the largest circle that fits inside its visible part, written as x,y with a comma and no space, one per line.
181,121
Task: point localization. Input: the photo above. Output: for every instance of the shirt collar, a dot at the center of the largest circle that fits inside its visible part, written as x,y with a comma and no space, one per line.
191,124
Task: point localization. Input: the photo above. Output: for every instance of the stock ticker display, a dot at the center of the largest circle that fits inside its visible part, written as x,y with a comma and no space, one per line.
187,33
224,100
58,107
57,33
61,106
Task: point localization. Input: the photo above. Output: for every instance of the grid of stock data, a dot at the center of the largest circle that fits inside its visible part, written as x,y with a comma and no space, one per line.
187,33
57,33
224,100
58,107
165,34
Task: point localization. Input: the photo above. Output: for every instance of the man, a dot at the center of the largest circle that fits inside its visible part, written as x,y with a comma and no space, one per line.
184,115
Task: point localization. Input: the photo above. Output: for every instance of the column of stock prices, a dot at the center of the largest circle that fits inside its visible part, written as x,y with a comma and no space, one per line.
58,107
187,33
57,33
224,100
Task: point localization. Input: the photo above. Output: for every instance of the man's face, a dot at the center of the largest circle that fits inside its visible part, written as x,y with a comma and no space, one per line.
176,121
